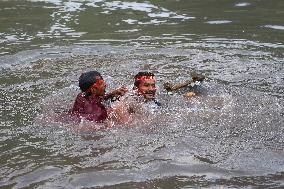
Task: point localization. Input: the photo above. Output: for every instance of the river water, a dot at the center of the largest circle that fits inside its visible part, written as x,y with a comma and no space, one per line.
232,136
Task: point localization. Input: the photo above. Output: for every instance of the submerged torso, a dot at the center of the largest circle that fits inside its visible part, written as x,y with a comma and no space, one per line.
90,108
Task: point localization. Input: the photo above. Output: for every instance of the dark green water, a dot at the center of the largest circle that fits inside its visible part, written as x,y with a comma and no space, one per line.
34,24
232,137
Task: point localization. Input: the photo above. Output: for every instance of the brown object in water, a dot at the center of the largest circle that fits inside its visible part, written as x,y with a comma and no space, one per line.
195,77
189,94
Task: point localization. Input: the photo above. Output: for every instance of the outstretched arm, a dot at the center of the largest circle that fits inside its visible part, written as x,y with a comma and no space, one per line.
116,93
195,77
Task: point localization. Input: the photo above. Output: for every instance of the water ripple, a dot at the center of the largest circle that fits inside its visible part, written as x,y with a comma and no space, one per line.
276,27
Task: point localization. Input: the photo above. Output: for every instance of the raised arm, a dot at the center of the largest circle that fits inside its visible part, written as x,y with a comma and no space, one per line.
115,94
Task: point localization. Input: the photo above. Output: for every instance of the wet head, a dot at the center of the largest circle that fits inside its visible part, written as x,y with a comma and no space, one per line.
145,83
92,83
99,88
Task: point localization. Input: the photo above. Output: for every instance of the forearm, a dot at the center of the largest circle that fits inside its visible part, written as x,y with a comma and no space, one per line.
115,94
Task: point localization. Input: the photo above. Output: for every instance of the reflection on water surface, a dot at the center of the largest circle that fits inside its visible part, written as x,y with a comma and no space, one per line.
38,23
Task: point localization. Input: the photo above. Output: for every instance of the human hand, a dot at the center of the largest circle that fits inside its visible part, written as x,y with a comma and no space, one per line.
115,94
119,92
189,94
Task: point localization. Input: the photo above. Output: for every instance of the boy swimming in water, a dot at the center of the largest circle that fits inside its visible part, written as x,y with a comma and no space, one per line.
143,97
145,86
144,93
89,104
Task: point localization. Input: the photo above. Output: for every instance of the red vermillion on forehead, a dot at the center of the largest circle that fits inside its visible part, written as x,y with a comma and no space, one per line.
145,78
98,83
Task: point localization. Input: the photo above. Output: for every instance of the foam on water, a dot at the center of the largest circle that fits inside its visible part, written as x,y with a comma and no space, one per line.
231,135
220,135
213,138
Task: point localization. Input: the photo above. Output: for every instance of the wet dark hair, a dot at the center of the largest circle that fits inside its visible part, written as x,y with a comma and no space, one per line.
137,82
87,79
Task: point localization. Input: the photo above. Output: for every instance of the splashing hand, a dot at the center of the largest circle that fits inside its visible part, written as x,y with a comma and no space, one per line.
119,92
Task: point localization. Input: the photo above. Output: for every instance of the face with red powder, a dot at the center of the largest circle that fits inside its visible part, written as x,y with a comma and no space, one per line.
147,87
99,87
